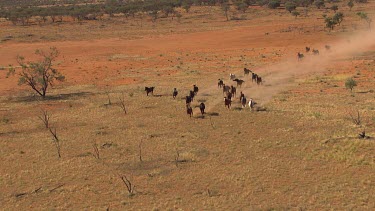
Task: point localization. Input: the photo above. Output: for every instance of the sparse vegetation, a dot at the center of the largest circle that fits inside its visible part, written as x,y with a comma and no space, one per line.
350,83
121,103
225,7
55,140
273,4
295,14
338,18
364,17
350,5
290,6
45,118
38,75
319,3
334,8
201,162
356,119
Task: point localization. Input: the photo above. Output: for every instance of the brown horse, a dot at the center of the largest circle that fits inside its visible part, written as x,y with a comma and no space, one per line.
149,89
202,106
227,102
300,56
175,93
220,83
233,90
189,110
246,71
239,82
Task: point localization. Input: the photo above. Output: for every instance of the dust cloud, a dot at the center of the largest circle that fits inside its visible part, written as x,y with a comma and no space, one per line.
278,77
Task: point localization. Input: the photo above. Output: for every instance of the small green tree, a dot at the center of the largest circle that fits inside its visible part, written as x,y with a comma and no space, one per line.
350,83
319,3
38,75
225,7
290,6
334,8
364,16
273,4
295,13
350,5
241,5
338,18
186,5
305,3
330,23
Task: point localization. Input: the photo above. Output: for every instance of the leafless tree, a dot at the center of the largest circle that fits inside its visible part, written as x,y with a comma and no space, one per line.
356,119
45,118
122,103
56,141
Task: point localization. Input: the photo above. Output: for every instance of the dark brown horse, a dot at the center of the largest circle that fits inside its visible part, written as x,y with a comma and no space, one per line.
233,90
239,82
243,102
300,56
175,93
227,102
202,106
246,71
149,89
226,89
189,110
195,89
253,77
188,100
220,83
192,95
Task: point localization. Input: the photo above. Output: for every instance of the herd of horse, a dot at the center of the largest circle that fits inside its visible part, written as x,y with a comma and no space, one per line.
231,91
300,56
228,91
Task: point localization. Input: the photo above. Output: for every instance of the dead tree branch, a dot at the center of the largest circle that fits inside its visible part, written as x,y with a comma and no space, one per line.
355,119
128,185
122,103
45,118
140,151
177,158
109,98
56,141
96,153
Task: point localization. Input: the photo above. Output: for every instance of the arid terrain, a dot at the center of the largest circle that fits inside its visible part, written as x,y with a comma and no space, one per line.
299,151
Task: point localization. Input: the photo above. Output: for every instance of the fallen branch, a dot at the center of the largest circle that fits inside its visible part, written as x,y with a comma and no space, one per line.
96,151
130,187
53,189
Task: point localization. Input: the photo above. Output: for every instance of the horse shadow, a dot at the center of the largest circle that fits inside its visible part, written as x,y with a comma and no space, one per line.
212,114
